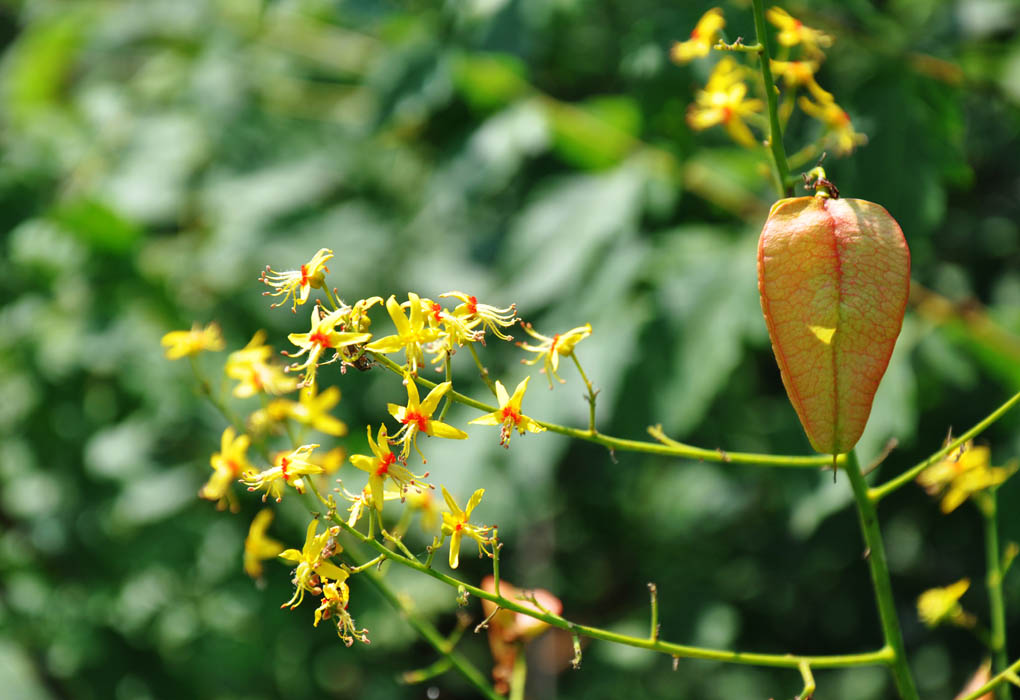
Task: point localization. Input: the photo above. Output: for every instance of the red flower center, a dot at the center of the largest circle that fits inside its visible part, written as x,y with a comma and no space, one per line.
319,338
384,466
415,417
552,347
284,463
304,275
235,468
472,305
727,114
695,33
437,309
509,414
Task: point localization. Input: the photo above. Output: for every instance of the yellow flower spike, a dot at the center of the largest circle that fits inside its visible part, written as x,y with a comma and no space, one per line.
473,314
962,475
297,284
411,333
255,374
702,39
383,465
939,605
549,350
313,566
840,133
509,414
416,417
229,465
187,343
793,32
258,547
723,101
288,469
455,524
313,410
323,336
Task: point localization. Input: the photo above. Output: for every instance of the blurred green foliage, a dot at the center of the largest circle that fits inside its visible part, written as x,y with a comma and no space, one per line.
158,154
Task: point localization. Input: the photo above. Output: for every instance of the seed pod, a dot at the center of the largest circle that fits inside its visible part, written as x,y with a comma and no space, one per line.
834,276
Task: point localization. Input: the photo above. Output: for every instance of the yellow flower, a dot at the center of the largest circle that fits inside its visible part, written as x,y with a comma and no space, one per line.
416,417
288,469
297,284
421,499
323,336
334,606
251,367
473,314
958,477
455,524
549,350
258,547
229,464
509,414
411,334
940,605
364,500
801,74
840,132
723,101
184,343
793,32
702,39
313,410
383,465
331,461
313,565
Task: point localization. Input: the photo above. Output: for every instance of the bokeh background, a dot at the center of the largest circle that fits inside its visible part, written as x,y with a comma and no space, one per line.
157,154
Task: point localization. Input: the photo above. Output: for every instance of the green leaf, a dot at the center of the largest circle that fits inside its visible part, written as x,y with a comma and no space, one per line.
96,224
489,81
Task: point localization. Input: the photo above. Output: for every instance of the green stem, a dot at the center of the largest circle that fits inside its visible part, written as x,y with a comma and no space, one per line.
592,394
781,168
993,580
883,656
519,675
653,591
880,579
666,447
449,378
877,493
482,369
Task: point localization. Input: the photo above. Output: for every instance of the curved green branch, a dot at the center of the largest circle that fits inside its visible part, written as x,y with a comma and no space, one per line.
664,446
883,656
877,493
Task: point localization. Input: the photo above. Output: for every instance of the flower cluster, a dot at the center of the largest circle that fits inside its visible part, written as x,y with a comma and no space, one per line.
341,335
725,100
